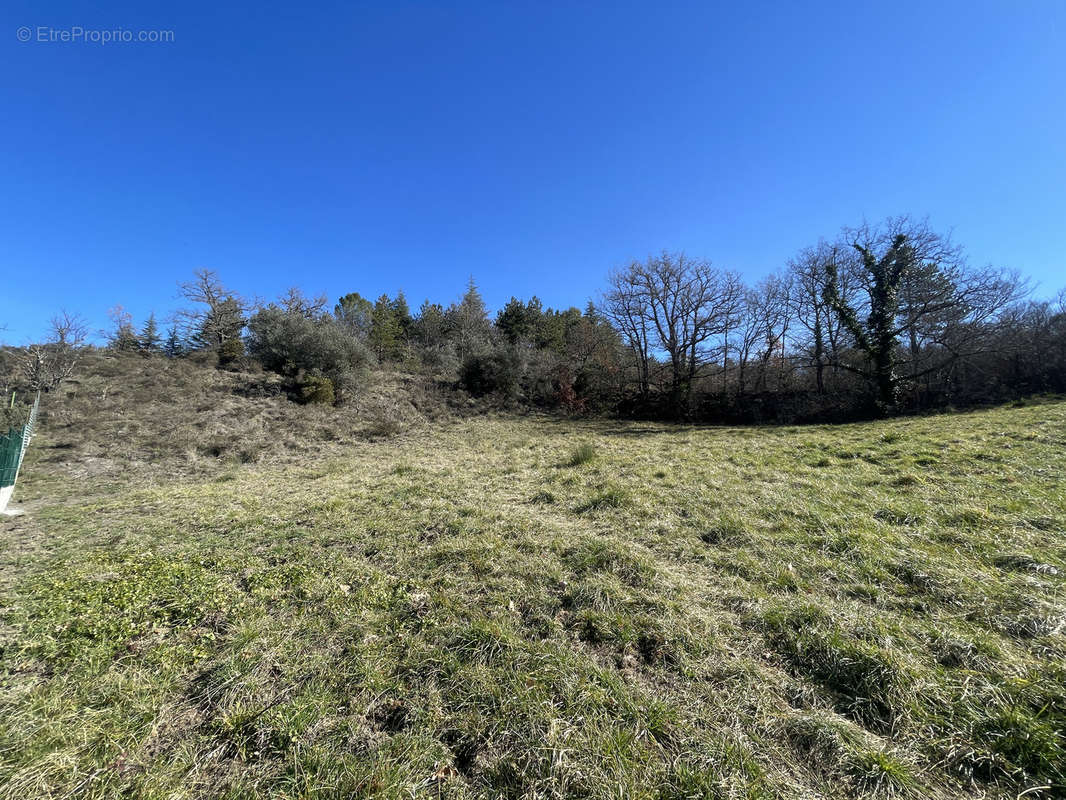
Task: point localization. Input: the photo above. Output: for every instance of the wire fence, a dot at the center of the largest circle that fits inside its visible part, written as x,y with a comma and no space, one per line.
13,446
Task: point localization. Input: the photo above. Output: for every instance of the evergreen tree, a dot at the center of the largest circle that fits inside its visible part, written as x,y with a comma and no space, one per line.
468,322
519,321
356,314
122,335
221,330
173,346
386,334
403,315
430,327
221,325
149,340
217,321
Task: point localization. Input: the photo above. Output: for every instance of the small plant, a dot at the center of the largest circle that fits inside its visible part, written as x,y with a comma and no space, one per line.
611,497
880,774
582,454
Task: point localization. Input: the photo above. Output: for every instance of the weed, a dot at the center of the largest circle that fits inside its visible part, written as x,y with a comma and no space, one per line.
610,497
879,774
582,454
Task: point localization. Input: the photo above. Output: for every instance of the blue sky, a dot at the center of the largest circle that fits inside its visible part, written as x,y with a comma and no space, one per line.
375,147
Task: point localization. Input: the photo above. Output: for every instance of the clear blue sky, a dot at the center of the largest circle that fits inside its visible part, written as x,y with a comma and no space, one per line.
373,147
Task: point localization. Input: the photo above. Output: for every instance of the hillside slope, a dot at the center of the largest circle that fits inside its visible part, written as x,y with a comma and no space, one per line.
179,416
538,608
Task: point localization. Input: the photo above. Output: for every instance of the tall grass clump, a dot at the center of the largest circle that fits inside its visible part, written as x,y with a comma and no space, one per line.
582,454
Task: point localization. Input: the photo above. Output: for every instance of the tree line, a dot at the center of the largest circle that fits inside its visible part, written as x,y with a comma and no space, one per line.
880,319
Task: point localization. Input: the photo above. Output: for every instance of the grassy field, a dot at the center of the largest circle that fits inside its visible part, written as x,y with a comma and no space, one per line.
539,608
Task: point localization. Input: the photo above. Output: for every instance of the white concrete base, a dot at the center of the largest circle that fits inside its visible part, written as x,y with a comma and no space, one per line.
5,495
12,512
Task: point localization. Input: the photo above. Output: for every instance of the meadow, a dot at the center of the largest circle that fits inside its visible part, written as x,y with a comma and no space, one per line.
533,607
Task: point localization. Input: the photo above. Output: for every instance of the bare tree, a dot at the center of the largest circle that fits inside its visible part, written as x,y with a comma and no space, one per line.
816,336
763,330
627,306
68,330
294,301
48,364
676,306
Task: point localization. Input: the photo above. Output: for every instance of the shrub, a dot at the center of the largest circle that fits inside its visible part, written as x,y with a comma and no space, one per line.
318,390
582,454
497,371
296,345
230,351
13,417
538,375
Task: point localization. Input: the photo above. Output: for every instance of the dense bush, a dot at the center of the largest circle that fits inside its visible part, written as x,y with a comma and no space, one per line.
318,390
230,351
494,372
299,345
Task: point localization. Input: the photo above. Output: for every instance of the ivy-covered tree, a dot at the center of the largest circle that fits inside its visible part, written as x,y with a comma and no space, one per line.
221,329
913,282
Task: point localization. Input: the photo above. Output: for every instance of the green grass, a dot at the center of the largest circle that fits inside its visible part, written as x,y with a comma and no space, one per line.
870,610
582,454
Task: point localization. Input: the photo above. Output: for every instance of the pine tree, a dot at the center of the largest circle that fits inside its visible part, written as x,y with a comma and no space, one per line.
385,330
149,340
469,322
430,328
356,314
402,313
513,321
173,346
